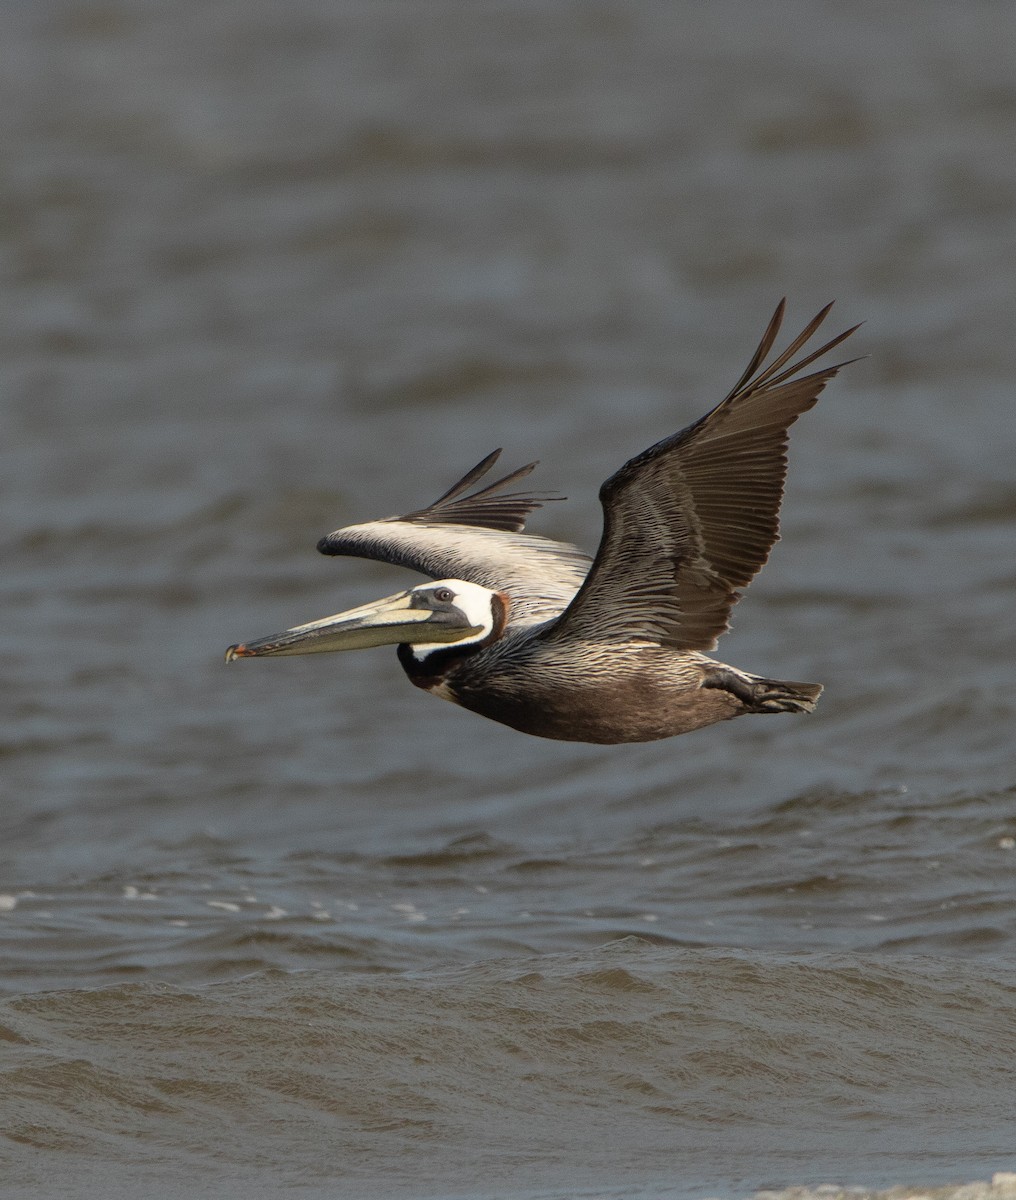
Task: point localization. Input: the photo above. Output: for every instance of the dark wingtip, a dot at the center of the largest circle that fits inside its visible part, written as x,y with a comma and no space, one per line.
467,480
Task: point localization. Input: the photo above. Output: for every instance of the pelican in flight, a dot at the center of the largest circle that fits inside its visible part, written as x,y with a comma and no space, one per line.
535,634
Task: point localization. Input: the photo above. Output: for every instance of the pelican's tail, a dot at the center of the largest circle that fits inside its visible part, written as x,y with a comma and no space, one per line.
783,695
759,695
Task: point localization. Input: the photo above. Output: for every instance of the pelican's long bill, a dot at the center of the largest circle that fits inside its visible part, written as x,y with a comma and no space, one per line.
396,619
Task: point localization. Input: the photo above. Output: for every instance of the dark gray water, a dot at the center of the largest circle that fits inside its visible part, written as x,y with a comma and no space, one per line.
292,926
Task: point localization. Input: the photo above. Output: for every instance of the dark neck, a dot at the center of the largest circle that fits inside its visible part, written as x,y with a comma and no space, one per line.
435,664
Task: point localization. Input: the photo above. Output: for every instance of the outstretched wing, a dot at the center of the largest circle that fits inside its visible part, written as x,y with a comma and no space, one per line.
476,536
694,517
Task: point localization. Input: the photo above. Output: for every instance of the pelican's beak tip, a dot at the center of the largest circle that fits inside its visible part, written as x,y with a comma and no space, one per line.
237,651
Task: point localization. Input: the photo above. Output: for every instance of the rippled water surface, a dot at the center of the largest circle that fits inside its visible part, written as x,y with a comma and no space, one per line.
294,927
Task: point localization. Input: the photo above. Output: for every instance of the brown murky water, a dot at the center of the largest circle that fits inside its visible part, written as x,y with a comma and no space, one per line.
292,927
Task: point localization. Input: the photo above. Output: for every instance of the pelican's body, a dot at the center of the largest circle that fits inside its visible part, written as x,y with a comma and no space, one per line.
535,634
639,695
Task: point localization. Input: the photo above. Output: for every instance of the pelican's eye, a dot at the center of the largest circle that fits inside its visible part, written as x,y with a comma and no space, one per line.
444,595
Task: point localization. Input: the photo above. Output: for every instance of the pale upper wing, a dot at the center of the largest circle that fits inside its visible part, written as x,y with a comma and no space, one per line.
694,517
476,537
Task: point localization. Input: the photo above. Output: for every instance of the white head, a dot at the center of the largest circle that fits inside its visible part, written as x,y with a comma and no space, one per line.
426,618
476,610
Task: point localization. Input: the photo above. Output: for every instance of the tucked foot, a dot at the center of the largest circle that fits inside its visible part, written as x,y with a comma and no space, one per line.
765,695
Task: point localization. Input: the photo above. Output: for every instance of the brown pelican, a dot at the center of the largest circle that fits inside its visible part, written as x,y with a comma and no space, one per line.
535,634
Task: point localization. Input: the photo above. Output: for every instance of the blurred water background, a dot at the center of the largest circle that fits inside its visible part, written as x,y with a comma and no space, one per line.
295,928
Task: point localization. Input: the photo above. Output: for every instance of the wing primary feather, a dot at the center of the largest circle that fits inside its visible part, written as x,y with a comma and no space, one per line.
489,508
782,359
521,473
806,362
764,346
470,477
